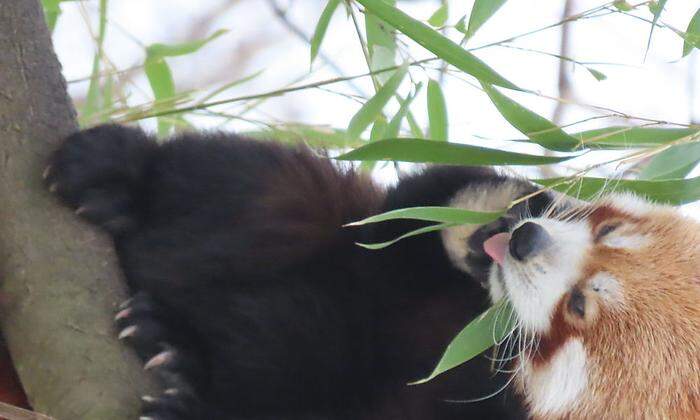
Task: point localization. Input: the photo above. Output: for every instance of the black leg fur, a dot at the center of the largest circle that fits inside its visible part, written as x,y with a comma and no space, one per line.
240,267
99,171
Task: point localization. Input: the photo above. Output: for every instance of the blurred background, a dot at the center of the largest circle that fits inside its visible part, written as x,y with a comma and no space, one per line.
612,71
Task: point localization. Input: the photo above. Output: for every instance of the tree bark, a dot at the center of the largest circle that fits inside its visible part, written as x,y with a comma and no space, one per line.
60,281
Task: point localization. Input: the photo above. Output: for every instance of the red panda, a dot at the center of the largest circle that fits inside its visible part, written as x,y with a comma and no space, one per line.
607,298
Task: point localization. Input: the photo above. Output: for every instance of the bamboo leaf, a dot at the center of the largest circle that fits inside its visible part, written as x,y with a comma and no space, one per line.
163,86
437,112
488,329
537,128
481,12
107,98
438,44
377,133
692,34
392,130
671,191
314,136
439,17
673,162
421,231
416,131
618,137
622,5
656,7
322,27
160,77
600,76
453,215
172,50
52,10
428,151
381,45
461,24
373,107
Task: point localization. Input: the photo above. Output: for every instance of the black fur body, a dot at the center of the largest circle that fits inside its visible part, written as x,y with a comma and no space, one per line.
251,301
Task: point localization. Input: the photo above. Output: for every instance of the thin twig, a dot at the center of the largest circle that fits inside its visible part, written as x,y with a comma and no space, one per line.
281,14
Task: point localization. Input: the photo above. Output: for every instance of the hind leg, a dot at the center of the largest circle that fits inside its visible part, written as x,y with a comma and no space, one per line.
179,369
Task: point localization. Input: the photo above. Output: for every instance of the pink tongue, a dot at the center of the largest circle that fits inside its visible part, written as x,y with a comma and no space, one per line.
496,246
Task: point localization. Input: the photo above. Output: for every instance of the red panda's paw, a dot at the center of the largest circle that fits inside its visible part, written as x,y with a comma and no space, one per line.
172,404
141,323
98,171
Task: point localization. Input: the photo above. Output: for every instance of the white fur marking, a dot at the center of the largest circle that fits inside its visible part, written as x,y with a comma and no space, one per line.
630,203
607,287
554,388
535,286
622,241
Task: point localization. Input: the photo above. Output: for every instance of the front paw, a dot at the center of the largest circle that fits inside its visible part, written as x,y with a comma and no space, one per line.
98,171
171,404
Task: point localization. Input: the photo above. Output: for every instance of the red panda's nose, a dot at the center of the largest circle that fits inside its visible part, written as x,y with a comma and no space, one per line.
528,240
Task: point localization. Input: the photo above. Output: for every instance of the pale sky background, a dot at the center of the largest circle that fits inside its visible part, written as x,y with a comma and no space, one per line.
662,87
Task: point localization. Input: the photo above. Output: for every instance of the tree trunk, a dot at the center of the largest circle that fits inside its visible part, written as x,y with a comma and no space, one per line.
60,281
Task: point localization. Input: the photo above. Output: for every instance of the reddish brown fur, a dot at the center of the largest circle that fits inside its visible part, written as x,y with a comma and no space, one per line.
643,353
560,332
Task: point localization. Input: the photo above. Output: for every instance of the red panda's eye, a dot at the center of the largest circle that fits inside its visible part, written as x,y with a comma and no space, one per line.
606,229
577,303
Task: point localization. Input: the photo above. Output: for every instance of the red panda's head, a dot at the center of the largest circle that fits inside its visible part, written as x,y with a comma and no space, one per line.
607,298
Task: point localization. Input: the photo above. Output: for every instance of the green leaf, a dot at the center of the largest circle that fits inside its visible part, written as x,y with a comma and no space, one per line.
656,7
461,24
418,150
381,45
160,77
597,74
416,131
453,215
107,98
378,128
52,10
481,12
172,50
622,5
314,136
163,86
618,137
322,27
672,162
671,191
392,130
378,132
437,112
537,128
420,231
435,42
369,111
692,34
439,17
490,328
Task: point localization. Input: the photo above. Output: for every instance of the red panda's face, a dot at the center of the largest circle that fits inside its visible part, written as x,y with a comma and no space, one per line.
607,298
